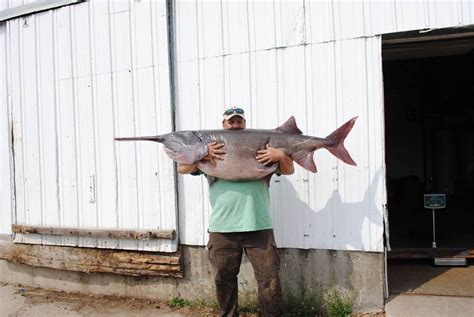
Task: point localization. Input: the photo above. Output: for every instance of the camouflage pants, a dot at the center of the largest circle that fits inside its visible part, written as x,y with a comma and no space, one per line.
225,254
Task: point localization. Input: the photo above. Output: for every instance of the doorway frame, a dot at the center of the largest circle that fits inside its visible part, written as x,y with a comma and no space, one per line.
442,42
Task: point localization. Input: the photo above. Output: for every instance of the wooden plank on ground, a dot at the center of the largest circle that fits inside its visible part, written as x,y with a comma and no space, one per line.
91,260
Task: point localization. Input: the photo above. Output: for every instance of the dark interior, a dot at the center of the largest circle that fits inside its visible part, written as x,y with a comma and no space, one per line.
429,130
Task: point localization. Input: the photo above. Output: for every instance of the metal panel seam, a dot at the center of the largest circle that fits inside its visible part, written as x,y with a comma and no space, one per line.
113,101
39,134
92,66
199,71
20,107
171,27
11,140
369,182
135,104
156,85
56,111
75,118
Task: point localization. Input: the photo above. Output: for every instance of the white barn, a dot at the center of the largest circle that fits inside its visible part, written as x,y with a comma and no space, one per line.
76,74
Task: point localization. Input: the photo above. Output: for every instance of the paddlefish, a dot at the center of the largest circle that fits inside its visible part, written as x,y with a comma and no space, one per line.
241,146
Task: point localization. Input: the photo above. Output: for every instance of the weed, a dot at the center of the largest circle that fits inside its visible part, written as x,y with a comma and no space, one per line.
338,302
178,302
249,308
201,303
302,305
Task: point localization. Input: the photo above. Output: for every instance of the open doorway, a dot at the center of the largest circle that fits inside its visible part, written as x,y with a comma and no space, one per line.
429,142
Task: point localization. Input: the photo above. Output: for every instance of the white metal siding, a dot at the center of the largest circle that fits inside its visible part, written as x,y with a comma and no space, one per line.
319,61
340,206
93,71
217,28
77,77
6,182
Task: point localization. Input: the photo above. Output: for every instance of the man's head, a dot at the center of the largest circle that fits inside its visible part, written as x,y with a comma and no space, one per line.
234,118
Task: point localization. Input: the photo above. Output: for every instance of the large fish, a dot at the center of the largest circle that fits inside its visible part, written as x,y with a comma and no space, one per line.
241,146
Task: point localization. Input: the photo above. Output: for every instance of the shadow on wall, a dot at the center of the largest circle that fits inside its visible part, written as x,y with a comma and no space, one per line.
315,244
338,225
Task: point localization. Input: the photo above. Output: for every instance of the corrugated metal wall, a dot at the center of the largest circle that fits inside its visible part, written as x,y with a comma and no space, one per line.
77,77
319,61
6,181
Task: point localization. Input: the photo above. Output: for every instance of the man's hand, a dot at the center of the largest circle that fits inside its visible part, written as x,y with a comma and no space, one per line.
272,155
215,151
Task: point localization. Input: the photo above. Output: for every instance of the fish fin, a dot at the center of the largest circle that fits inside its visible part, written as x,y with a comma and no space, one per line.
267,179
188,155
307,162
290,126
338,137
210,180
268,168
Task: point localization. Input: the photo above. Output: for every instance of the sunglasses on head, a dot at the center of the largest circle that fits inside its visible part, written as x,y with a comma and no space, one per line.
233,110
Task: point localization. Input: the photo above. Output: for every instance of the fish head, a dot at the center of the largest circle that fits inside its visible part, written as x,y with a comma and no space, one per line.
185,147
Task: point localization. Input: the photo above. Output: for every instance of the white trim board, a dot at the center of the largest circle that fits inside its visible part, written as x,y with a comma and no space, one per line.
34,7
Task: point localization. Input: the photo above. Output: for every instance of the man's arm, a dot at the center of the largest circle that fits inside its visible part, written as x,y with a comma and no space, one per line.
286,165
214,151
271,155
187,168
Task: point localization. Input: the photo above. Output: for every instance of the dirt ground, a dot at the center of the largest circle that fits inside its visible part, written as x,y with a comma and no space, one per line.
22,301
17,300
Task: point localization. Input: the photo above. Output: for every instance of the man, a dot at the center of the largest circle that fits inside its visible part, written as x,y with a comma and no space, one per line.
240,222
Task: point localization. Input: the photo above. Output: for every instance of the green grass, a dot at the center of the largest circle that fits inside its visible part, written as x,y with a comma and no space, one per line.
178,302
302,305
249,307
337,302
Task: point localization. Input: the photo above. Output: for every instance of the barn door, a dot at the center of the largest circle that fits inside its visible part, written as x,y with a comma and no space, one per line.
78,77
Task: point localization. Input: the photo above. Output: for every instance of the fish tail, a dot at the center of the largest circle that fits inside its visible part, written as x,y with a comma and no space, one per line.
338,137
157,138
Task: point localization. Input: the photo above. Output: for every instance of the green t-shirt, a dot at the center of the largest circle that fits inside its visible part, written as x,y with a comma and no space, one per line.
239,206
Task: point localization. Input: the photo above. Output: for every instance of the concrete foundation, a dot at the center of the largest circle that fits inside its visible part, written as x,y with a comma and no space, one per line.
307,273
304,274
